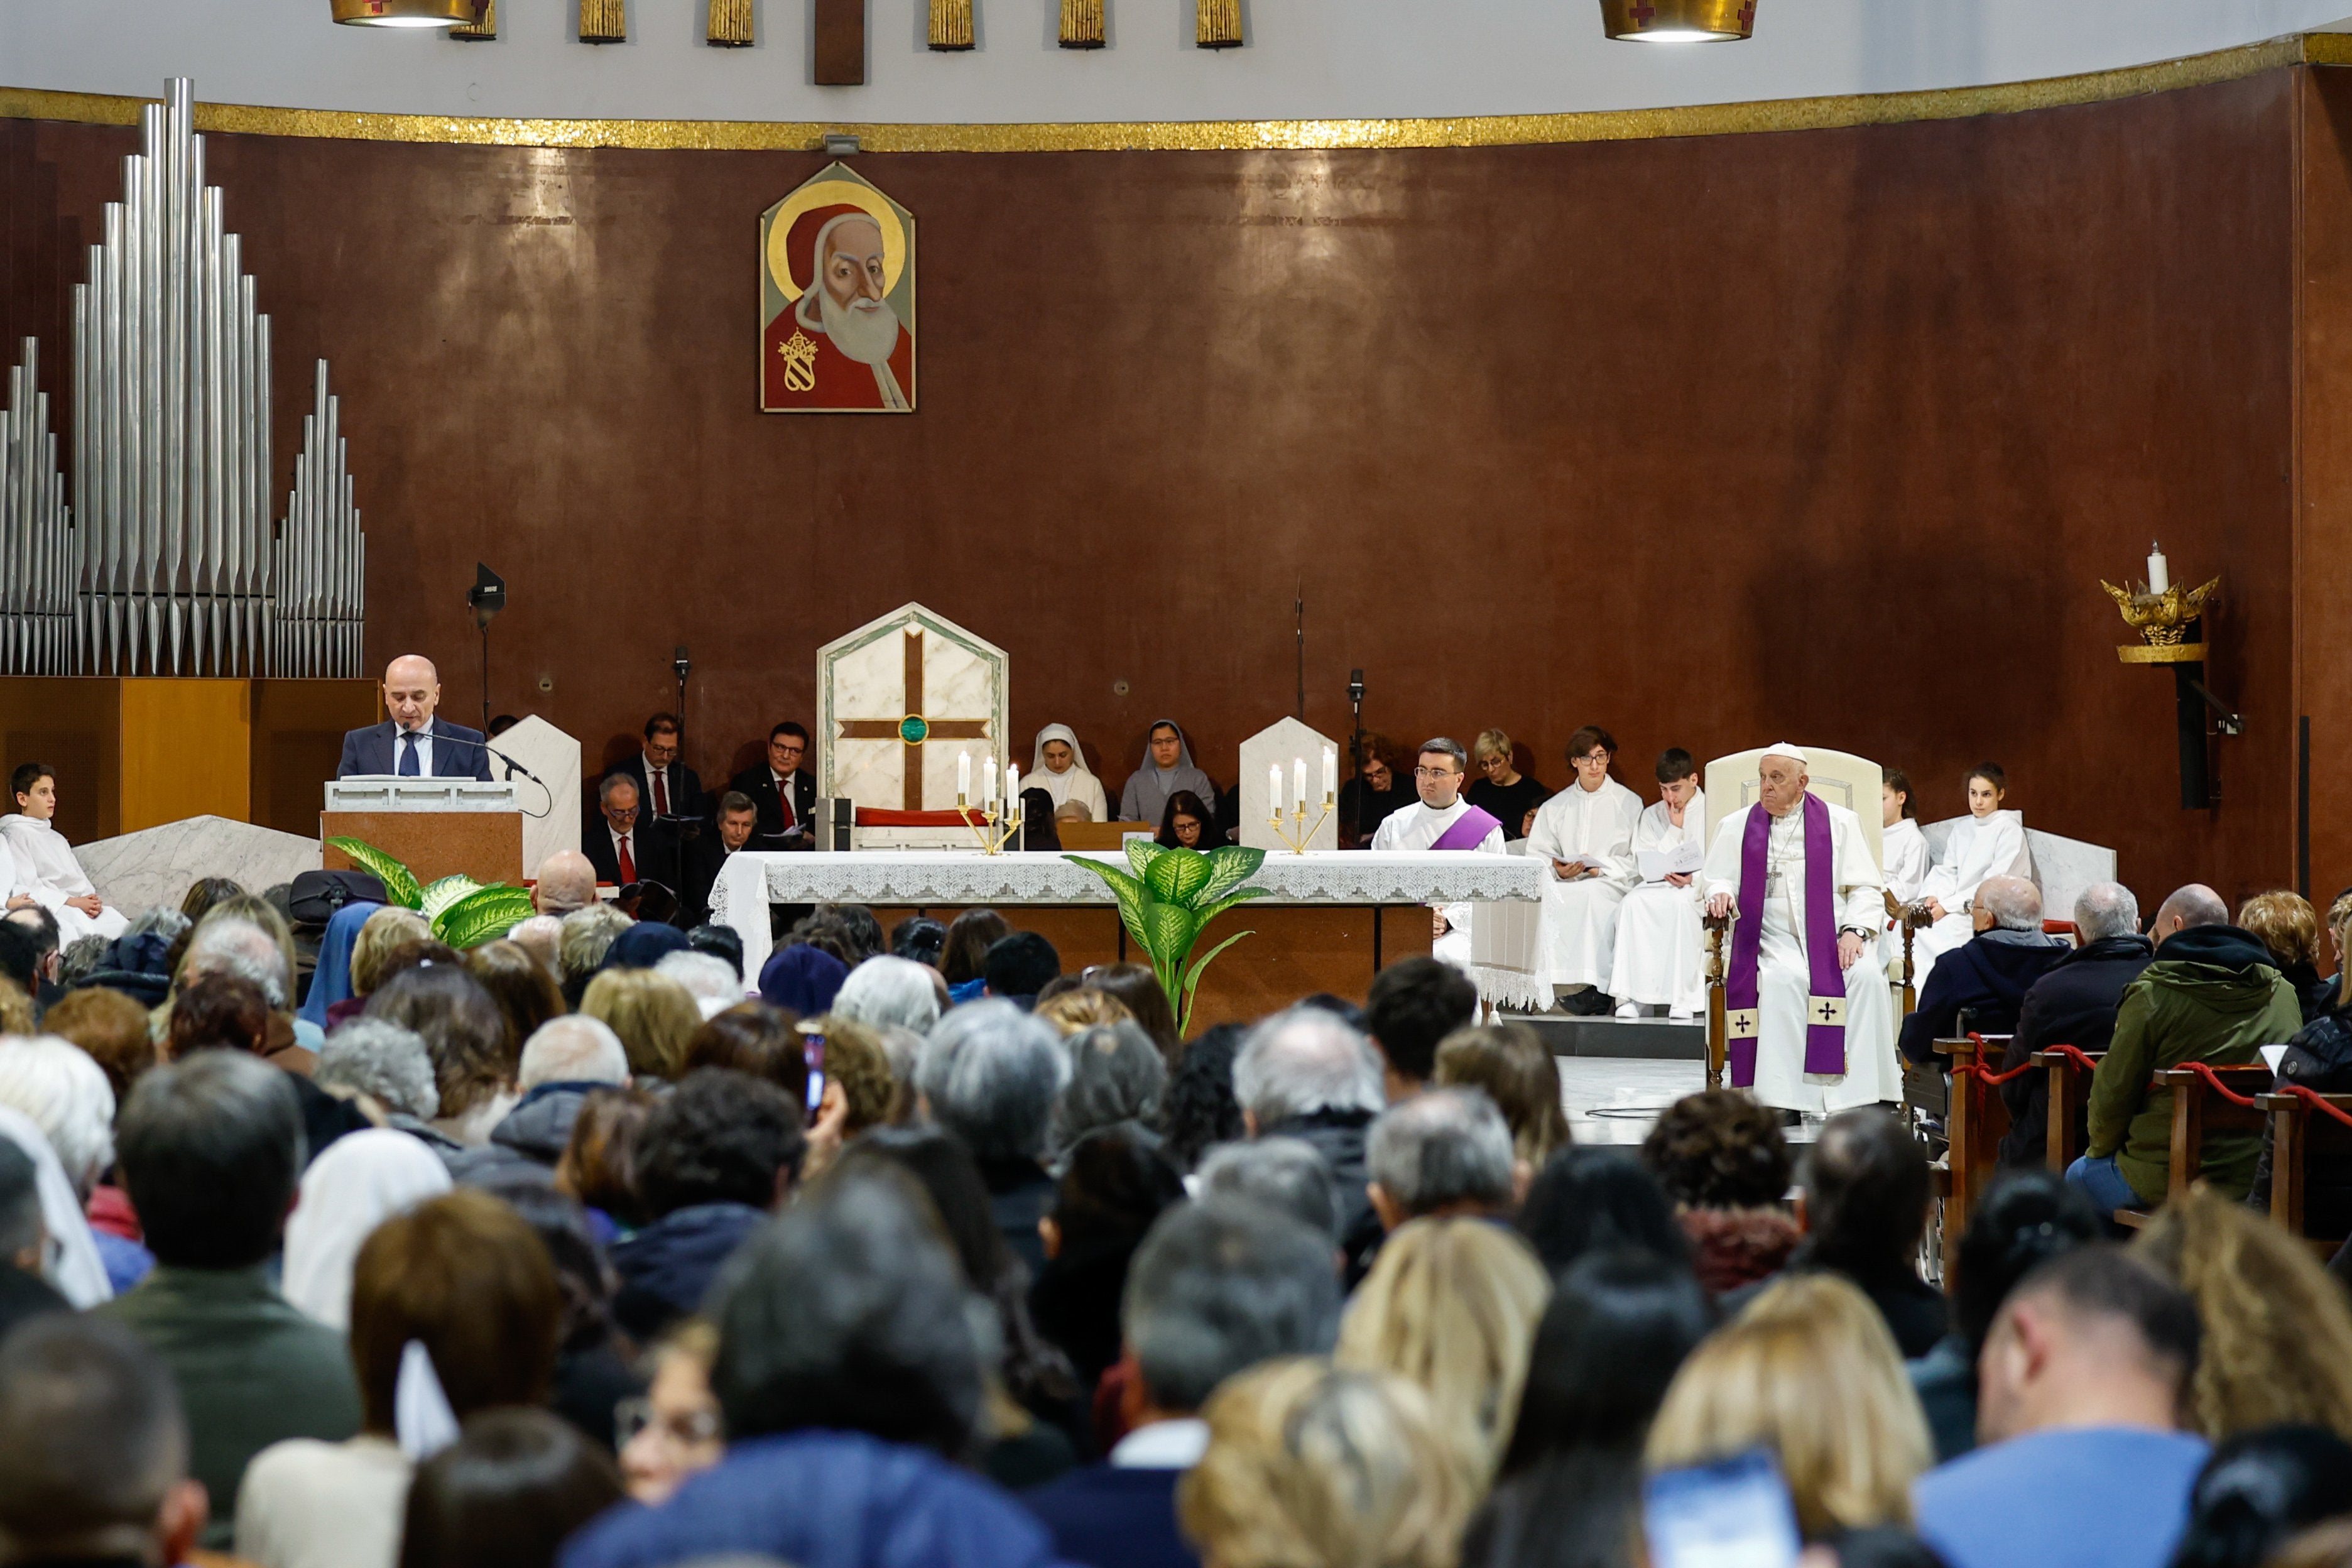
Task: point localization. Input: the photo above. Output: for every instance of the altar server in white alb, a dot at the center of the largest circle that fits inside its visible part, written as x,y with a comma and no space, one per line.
1811,1020
1442,819
1586,831
1660,959
1987,842
1901,851
42,863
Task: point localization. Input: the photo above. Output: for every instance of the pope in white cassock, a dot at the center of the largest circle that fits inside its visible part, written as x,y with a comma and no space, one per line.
1987,842
1586,831
1810,1022
1442,819
1660,960
42,866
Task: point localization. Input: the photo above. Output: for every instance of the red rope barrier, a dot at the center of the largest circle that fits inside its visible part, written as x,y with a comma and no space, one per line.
2317,1101
1984,1074
2213,1081
2080,1057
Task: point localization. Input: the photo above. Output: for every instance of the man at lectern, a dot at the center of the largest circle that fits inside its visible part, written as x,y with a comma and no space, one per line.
412,744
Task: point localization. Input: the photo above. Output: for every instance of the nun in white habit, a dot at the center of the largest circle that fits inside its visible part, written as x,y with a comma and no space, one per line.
357,1182
1059,768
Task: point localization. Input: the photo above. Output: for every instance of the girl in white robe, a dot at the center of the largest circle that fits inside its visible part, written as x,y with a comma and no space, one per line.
1987,842
44,863
1059,743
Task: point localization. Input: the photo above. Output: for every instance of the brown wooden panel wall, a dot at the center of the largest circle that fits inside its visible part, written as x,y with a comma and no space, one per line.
1825,434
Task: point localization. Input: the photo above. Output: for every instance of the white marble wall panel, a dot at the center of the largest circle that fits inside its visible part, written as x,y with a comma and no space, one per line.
557,759
1281,744
136,871
2061,867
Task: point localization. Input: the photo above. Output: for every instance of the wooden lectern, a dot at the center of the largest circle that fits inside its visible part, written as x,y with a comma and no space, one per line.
436,828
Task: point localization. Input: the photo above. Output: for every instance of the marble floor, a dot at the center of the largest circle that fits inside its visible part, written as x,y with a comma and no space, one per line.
1616,1099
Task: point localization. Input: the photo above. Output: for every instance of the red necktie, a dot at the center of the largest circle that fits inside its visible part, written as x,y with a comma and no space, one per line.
784,801
661,792
628,862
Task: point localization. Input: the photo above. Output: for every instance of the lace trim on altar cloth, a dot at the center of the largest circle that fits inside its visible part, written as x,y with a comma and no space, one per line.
1351,877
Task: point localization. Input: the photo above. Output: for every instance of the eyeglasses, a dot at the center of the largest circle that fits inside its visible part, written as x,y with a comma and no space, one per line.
1593,757
1434,772
633,1415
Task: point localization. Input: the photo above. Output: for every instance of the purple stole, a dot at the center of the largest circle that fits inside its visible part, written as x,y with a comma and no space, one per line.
1468,830
1825,1005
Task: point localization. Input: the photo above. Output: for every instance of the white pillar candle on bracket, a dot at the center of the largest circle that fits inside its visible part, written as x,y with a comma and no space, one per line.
1331,775
1012,786
988,778
1298,781
2160,571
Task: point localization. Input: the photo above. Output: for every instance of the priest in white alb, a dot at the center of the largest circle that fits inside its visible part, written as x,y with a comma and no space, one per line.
1661,947
42,863
1442,819
1810,1022
1586,831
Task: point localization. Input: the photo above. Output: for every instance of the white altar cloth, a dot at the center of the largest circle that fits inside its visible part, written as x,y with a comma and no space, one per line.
968,876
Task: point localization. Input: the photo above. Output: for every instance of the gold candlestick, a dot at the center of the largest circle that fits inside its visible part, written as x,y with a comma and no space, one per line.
1297,834
994,825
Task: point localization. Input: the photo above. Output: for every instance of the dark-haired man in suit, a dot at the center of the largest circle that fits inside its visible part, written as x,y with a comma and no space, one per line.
413,742
784,792
666,787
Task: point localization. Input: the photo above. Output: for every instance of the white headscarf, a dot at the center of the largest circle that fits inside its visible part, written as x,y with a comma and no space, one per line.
75,1266
1078,781
362,1180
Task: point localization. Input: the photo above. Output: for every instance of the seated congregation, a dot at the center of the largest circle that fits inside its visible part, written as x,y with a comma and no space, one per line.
331,1247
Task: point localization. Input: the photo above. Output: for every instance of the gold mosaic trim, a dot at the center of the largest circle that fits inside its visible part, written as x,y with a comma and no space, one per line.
1222,135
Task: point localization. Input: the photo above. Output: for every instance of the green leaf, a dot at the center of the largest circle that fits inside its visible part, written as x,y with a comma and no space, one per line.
1143,852
1192,979
482,915
1128,891
1178,876
1230,866
1168,934
1238,896
399,886
438,896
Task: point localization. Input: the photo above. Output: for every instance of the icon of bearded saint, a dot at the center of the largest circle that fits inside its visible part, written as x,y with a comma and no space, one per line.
841,345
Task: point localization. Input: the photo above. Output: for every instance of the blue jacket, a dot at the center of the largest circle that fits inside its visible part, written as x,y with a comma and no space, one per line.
1109,1518
823,1499
1986,979
457,751
666,1268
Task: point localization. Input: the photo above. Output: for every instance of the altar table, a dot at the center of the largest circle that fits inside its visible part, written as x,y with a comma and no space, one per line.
1332,920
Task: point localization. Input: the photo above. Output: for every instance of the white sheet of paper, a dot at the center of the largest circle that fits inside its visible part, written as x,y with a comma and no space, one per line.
2272,1056
1682,860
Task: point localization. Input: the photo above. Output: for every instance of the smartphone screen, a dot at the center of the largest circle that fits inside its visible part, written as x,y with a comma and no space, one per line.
813,1052
1735,1514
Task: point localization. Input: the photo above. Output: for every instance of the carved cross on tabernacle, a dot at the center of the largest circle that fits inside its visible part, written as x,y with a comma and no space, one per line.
914,729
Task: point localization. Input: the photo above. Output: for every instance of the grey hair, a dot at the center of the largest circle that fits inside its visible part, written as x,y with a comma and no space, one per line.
2014,902
2104,910
1302,1061
225,945
990,1072
383,1060
83,955
610,784
1220,1285
588,935
1446,1146
1116,1074
706,977
162,920
904,1048
64,1092
884,990
1451,748
572,1048
1287,1174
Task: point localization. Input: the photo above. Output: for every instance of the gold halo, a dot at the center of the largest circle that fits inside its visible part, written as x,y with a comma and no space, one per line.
827,193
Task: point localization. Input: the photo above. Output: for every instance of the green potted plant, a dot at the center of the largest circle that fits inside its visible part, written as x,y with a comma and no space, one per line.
464,912
1169,900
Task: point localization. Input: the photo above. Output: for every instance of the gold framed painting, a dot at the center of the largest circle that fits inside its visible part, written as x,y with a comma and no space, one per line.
837,300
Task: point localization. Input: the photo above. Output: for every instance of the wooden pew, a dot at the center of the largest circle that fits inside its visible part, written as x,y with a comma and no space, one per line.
2070,1091
1978,1121
2298,1130
2197,1110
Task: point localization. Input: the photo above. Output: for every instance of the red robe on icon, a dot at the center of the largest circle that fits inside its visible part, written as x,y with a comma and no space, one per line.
801,368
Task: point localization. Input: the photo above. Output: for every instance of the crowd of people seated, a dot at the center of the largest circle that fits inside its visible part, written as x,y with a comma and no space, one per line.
323,1245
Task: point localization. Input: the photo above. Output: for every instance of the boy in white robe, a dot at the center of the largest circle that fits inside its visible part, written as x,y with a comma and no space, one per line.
1442,819
1903,851
1586,831
1661,947
1987,842
43,863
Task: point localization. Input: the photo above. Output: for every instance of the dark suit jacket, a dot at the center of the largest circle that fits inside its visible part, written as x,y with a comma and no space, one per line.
457,751
699,861
656,851
757,782
685,787
1106,1518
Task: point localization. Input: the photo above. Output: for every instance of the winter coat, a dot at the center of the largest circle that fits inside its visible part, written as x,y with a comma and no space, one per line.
1985,980
1732,1247
2073,1004
1338,1136
2319,1057
666,1268
527,1141
2211,995
823,1499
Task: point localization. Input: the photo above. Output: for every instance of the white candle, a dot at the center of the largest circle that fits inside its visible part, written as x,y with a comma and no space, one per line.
1273,789
1298,781
2159,573
988,778
963,777
1331,775
1013,784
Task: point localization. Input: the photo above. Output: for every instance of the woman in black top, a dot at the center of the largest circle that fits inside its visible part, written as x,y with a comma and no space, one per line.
1507,794
1366,800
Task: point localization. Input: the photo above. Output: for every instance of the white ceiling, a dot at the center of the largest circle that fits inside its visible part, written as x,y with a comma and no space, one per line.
1305,58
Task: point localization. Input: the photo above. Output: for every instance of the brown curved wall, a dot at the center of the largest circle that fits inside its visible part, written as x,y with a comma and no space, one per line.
1825,434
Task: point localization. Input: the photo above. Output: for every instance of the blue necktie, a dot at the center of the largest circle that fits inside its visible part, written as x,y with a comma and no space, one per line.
408,754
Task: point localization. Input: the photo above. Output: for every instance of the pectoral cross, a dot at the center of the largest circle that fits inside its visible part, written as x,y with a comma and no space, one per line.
913,728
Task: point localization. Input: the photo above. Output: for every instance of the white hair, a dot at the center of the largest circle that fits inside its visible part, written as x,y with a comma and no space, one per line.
884,990
239,947
706,977
2104,910
1446,1146
55,1084
2014,902
1304,1060
572,1049
388,1062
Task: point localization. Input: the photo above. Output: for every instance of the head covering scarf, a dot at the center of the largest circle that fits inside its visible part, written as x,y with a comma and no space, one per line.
360,1180
1153,784
644,945
1059,785
804,978
331,981
74,1267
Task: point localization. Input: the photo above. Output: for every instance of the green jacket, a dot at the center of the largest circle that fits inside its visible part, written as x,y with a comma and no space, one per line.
252,1371
2211,995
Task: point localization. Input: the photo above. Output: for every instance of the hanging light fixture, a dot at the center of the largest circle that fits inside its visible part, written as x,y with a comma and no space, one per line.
406,12
1679,21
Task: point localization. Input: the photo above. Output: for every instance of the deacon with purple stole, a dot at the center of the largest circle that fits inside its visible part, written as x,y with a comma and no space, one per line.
1442,819
1810,1023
